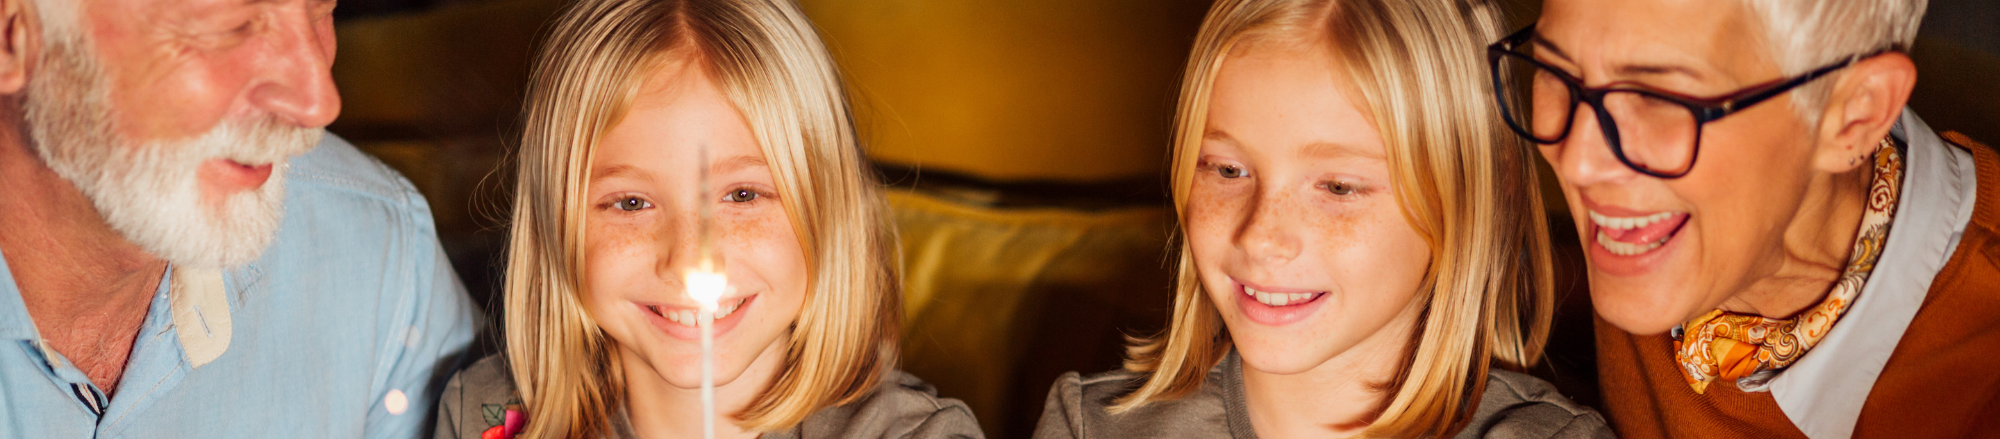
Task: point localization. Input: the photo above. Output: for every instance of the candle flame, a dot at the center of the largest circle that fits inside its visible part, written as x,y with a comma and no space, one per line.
706,288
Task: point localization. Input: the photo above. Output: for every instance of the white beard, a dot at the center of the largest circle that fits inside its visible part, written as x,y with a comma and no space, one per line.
149,191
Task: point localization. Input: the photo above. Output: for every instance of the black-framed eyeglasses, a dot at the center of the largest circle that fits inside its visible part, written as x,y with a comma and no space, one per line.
1654,132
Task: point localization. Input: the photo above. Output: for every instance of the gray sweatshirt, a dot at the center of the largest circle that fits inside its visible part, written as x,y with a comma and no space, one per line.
902,407
1515,406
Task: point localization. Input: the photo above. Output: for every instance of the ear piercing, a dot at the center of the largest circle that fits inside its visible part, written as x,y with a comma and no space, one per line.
1851,161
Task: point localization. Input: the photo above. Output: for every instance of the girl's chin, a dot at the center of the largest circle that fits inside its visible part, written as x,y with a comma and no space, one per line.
691,379
682,370
1277,357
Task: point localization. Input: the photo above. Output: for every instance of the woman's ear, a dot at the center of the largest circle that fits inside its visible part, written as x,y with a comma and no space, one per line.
1865,104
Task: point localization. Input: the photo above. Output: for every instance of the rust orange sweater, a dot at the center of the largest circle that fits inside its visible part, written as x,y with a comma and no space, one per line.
1942,381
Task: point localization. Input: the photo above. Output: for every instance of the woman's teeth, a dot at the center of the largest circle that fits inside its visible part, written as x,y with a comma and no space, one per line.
1279,299
1623,223
1627,249
687,317
1606,225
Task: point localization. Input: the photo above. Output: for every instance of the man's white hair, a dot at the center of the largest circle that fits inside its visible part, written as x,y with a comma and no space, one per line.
57,17
149,190
1808,34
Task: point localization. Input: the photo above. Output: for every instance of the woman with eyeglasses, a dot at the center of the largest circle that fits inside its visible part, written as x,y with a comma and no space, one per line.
1776,246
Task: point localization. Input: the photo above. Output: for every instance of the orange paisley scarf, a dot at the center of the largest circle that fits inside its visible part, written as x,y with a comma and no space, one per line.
1750,350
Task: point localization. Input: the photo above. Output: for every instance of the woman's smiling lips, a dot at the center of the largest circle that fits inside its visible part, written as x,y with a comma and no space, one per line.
1626,242
1275,306
679,322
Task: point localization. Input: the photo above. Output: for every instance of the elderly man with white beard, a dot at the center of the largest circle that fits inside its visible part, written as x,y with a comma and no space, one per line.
184,252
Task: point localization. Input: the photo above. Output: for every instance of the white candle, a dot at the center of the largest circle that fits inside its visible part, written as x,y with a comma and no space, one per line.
706,287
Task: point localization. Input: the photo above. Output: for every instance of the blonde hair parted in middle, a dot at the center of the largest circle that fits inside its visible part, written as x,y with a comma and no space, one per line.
1465,184
773,68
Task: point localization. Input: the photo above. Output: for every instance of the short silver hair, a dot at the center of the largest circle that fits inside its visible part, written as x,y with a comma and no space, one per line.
1807,34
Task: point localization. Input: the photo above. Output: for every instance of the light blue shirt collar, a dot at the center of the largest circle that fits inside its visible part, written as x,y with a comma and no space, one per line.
15,324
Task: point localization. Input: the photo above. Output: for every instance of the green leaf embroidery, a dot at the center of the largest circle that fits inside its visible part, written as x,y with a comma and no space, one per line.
495,414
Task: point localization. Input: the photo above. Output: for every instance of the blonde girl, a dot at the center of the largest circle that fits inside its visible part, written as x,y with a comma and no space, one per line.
1363,252
643,118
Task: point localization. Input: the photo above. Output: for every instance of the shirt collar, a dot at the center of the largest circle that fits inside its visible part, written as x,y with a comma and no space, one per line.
201,307
15,324
201,314
1823,392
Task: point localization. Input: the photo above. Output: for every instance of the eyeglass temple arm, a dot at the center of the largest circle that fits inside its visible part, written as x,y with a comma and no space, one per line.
1730,104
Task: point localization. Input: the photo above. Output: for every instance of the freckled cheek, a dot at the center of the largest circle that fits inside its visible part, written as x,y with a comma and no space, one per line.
1375,252
617,257
763,244
1211,219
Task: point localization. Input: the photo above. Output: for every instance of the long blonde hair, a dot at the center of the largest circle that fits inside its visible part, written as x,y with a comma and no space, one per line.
774,69
1464,182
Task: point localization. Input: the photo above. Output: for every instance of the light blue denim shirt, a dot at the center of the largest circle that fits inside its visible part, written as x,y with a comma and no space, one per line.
352,308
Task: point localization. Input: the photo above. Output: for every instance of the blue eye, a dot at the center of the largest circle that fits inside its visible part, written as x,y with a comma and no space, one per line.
632,204
741,196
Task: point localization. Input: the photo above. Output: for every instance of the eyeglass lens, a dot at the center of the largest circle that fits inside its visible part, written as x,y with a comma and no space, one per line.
1653,134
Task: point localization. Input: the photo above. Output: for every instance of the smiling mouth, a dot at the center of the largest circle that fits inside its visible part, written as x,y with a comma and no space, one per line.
1281,299
688,316
234,173
1631,236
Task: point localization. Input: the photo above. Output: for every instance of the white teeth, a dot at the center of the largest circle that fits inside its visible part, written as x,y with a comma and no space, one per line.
1623,223
1605,222
688,317
726,309
1277,299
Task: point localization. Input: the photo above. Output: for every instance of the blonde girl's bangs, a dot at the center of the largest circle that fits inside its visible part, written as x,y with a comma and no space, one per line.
770,63
1463,182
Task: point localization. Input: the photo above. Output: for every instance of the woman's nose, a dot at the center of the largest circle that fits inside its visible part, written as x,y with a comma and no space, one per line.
1584,158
